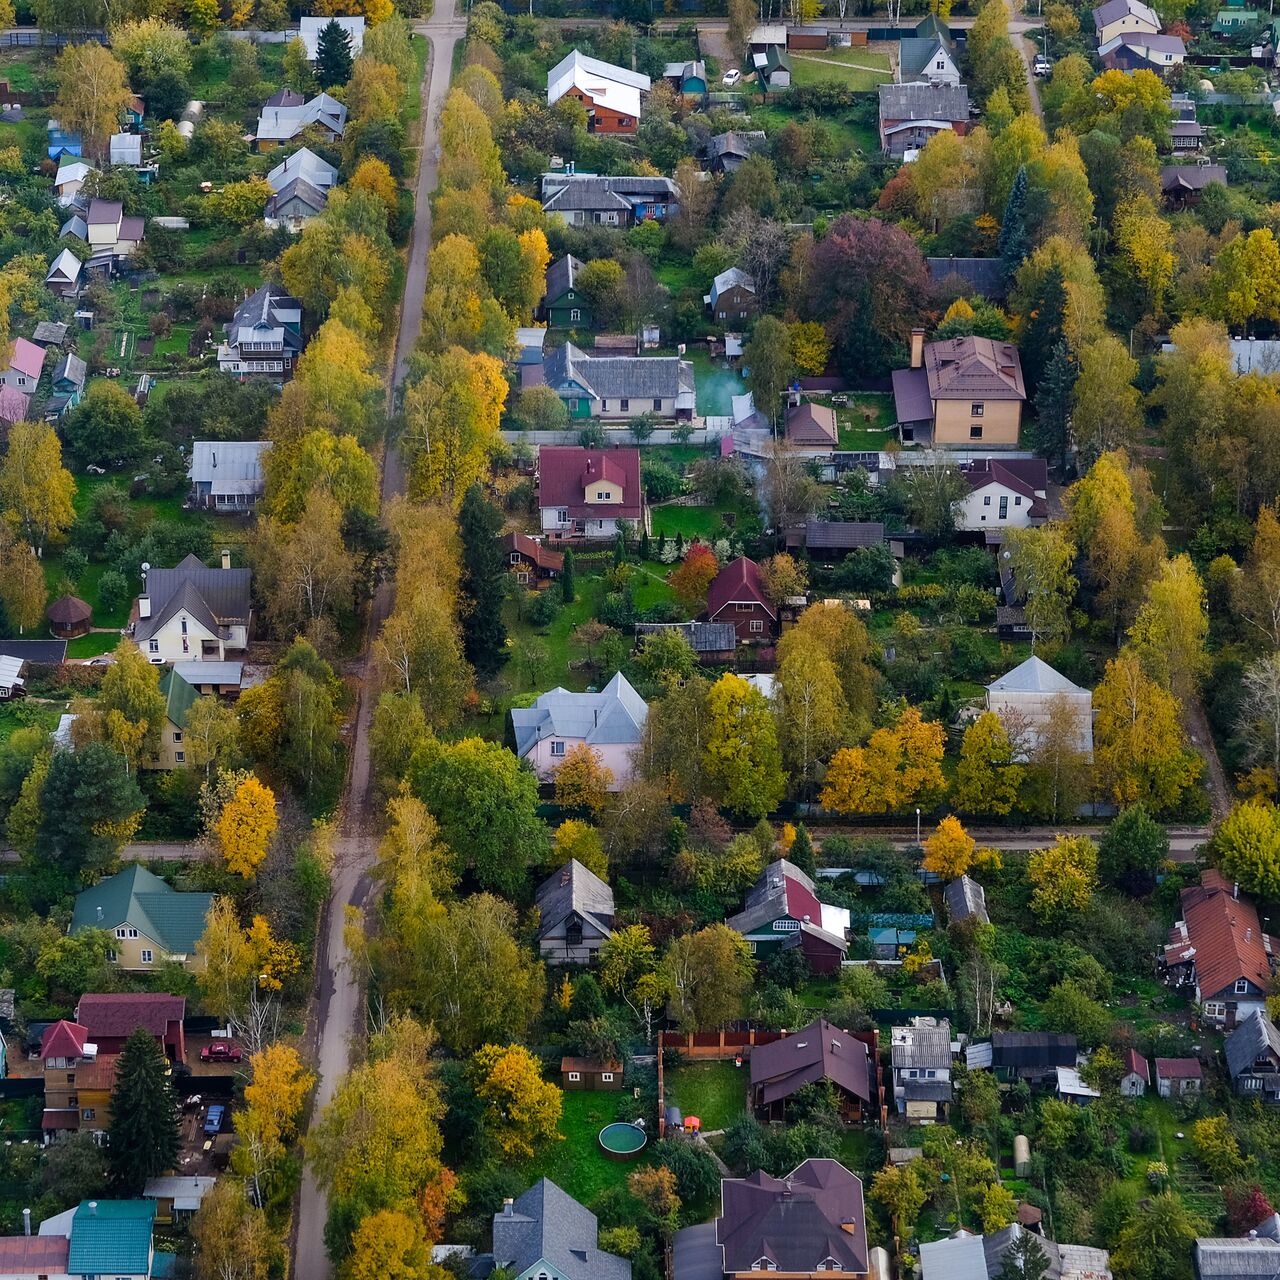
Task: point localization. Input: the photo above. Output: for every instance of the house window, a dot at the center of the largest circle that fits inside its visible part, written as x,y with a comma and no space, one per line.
756,625
515,557
562,516
177,735
1215,1009
111,957
1004,508
975,410
146,955
574,1076
87,1113
131,933
180,757
1242,986
575,315
602,495
1017,502
522,577
940,65
607,1077
625,404
153,646
557,748
742,608
986,502
975,431
657,403
184,626
120,932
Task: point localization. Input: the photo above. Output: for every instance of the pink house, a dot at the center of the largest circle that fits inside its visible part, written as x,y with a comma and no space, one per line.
24,366
610,722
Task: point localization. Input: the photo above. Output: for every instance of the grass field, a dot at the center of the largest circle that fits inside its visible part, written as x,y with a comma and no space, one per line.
867,422
715,1092
693,522
857,69
845,125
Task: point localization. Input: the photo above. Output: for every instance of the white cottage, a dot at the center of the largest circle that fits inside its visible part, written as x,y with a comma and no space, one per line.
1026,697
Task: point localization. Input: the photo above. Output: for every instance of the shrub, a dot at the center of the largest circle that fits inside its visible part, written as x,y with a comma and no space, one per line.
113,590
545,606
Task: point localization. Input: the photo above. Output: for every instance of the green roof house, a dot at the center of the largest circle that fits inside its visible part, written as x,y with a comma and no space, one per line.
148,920
772,68
179,696
1232,21
112,1238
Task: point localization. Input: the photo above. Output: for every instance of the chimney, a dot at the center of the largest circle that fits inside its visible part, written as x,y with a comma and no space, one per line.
93,1208
226,557
917,348
26,1222
1235,889
507,1209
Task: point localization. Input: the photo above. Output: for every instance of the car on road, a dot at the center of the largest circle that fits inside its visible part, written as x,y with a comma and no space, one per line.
213,1121
731,77
1041,66
221,1051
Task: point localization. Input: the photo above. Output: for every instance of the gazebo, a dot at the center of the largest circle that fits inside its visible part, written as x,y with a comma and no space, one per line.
69,616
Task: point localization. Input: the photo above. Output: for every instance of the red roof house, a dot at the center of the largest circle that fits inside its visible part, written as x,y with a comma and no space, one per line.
111,1019
782,912
34,1255
63,1040
812,424
819,1052
529,557
1178,1076
737,595
1137,1075
583,493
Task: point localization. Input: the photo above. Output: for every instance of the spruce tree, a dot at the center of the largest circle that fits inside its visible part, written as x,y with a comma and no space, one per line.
1012,245
1045,322
484,635
1025,1259
1053,404
333,56
567,590
143,1138
801,852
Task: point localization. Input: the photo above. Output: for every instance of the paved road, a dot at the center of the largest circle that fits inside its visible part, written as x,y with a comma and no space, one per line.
338,995
1184,842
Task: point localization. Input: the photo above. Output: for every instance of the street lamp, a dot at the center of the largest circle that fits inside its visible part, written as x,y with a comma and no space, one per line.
917,824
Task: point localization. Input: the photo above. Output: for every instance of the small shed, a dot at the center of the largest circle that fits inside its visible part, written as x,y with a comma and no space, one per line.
1178,1076
69,616
593,1074
1137,1075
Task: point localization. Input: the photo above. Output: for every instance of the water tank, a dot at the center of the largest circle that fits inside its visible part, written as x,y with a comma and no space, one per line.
1021,1157
1206,86
878,1259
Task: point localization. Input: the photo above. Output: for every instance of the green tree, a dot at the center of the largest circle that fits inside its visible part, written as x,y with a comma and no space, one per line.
1106,406
1156,1243
1054,399
1041,561
709,974
1132,850
772,370
484,635
1070,1008
333,56
1246,847
142,1141
1014,242
129,712
1025,1259
742,761
568,588
105,428
296,69
987,777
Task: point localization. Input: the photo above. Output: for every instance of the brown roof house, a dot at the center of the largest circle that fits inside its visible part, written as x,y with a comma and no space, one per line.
110,1019
531,562
591,1074
1178,1076
808,1225
818,1052
583,493
1184,184
964,392
1137,1075
812,425
737,595
69,616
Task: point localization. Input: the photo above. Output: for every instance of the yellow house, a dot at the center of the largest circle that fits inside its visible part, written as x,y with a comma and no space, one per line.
178,699
148,921
962,393
1124,17
77,1081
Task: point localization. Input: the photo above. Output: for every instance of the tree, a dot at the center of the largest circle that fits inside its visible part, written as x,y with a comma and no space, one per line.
246,825
1258,597
949,851
629,969
1025,1259
333,372
1054,399
522,1111
484,635
1106,408
1216,1148
1246,847
580,842
1014,241
935,490
583,780
1168,636
1260,712
276,1092
987,777
36,490
93,92
106,426
468,155
812,712
1244,283
1140,749
1132,850
568,590
129,712
772,370
23,587
666,655
693,576
211,736
1041,560
143,1138
333,56
232,1239
783,577
901,765
810,348
899,1190
709,974
1156,1243
1064,876
742,761
390,1245
296,68
1145,240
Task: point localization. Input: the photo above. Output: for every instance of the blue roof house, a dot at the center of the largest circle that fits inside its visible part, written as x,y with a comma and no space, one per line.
62,142
112,1238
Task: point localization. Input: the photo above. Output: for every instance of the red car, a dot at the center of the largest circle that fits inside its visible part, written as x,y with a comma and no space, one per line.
221,1053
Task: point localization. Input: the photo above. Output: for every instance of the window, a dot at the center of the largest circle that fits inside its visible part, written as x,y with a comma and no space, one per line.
657,403
574,1076
515,557
180,757
146,955
1215,1009
975,431
1242,986
557,748
756,625
986,502
153,646
522,577
940,65
575,315
120,932
743,607
607,1077
111,956
1004,508
602,495
86,1114
562,516
625,404
604,406
177,735
1017,502
975,410
184,625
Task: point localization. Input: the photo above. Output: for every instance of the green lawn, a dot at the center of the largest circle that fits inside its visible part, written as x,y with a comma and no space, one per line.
17,715
857,69
554,641
93,644
715,1092
846,126
867,423
717,385
19,69
693,522
577,1164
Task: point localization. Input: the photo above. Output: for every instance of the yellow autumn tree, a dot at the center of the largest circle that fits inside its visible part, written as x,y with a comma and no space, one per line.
390,1245
522,1110
579,841
277,1089
583,780
1063,876
901,765
949,851
246,825
372,175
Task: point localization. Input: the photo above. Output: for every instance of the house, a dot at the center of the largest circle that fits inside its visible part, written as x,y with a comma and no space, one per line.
812,426
618,388
546,1232
1004,493
109,1020
929,55
612,95
109,1238
1072,1088
14,405
1034,1056
726,152
967,277
1137,1075
1118,16
816,1053
590,1073
63,277
226,475
125,149
963,392
1235,21
964,1256
575,914
294,205
1252,1052
713,642
75,226
34,1257
564,305
70,375
77,1082
833,539
217,678
1186,136
310,27
1220,953
1138,51
150,921
583,493
1252,1257
921,1058
47,653
910,114
69,616
687,78
1183,184
781,911
192,612
966,899
306,165
583,199
809,1224
1027,698
177,1198
610,722
25,365
110,234
531,562
732,299
264,337
808,37
179,696
135,112
278,125
60,142
737,595
50,333
1178,1077
11,681
772,68
69,179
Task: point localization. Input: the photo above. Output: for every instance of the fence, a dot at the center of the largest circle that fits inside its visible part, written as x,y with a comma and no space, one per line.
18,98
31,38
614,435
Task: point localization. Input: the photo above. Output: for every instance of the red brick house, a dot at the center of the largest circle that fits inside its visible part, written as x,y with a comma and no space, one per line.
109,1020
611,94
531,562
737,595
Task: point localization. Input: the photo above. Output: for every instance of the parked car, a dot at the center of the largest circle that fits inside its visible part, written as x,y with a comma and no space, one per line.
221,1051
213,1121
1042,65
731,77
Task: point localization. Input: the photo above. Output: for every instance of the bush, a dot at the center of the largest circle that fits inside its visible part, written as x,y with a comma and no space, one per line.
660,481
544,607
113,590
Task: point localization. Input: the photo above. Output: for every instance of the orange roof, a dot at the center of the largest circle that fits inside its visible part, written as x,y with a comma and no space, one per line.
98,1074
1223,936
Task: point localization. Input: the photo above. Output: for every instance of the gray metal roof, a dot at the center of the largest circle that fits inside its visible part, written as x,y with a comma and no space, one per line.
560,276
563,192
619,377
49,332
965,898
919,100
696,1254
1250,1041
615,715
929,1047
231,466
841,534
210,672
957,1258
574,888
548,1225
1034,676
1113,10
303,163
72,369
703,637
216,597
297,189
1223,1259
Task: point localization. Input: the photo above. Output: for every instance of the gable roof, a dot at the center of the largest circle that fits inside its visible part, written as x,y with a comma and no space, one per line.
104,213
1191,177
303,163
620,377
542,556
965,899
614,716
71,369
781,889
1033,1049
51,652
1034,675
27,357
1256,1037
564,471
1244,1257
135,897
810,423
920,100
960,368
574,888
916,54
819,1051
560,276
1143,43
178,698
214,597
1178,1069
731,278
1135,1063
957,1257
66,266
614,88
279,124
838,534
917,1047
236,465
797,1223
34,1255
548,1225
739,582
703,637
1027,476
120,1015
126,148
299,188
111,1236
1222,935
1114,10
737,142
569,192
